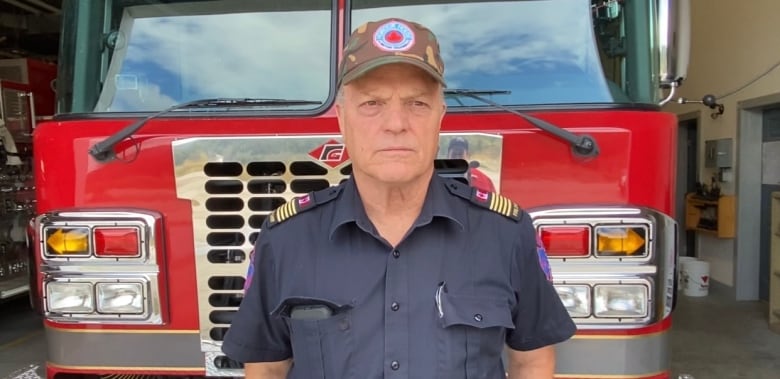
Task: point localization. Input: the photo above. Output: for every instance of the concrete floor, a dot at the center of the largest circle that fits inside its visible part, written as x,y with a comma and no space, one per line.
716,337
713,337
22,346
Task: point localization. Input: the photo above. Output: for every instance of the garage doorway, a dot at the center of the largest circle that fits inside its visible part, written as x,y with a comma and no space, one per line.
751,261
687,176
770,182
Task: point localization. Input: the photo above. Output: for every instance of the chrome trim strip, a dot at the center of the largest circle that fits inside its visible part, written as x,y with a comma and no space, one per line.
125,350
644,355
4,294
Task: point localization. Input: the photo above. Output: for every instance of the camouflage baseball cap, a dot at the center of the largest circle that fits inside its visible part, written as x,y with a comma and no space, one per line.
392,40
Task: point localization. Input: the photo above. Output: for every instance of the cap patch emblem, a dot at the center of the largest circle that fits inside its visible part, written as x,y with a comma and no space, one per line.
394,36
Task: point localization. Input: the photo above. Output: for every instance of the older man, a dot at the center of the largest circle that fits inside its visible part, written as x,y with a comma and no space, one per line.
397,272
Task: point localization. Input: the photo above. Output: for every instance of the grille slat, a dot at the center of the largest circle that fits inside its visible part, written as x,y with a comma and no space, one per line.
226,256
227,187
222,169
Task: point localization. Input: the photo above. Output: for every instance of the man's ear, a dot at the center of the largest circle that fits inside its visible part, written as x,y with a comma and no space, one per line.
340,116
443,112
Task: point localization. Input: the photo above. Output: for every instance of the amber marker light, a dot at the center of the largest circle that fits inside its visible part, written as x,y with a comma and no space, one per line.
621,241
67,241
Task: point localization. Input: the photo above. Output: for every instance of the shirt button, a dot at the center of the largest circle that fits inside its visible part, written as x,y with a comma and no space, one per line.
395,365
394,306
478,317
396,253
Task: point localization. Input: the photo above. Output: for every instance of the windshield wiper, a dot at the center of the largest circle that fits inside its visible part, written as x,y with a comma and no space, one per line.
582,145
103,151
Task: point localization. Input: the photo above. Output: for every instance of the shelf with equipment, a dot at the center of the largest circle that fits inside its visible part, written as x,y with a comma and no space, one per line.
715,216
774,257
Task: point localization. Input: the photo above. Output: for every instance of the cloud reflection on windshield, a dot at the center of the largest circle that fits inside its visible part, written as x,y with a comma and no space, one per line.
543,51
268,55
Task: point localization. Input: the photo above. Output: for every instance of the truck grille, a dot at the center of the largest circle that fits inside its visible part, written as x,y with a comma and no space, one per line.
233,190
235,204
233,185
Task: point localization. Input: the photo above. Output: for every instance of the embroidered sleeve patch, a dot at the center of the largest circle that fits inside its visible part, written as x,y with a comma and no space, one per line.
250,272
544,263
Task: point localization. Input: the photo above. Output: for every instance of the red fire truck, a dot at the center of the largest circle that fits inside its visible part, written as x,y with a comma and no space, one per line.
26,97
182,124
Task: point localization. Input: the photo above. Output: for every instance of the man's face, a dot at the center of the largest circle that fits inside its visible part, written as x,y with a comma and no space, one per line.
390,120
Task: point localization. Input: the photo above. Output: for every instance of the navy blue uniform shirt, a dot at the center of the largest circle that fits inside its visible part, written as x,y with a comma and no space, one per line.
464,281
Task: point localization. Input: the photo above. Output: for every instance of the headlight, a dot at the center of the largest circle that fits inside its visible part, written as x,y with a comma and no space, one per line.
576,299
623,300
125,298
68,297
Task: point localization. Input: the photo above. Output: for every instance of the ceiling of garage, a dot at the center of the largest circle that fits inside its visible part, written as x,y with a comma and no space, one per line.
29,28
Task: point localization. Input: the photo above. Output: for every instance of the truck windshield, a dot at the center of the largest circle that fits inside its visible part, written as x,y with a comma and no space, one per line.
541,52
148,55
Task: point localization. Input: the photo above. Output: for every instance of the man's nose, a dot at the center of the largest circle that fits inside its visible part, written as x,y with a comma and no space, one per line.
396,117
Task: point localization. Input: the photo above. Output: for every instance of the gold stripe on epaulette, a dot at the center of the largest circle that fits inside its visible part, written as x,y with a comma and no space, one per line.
289,209
283,212
502,205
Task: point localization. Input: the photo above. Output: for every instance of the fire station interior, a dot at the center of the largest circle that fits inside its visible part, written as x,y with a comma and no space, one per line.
728,190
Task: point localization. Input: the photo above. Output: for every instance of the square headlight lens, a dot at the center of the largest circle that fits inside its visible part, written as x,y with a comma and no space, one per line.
120,298
576,299
69,297
621,300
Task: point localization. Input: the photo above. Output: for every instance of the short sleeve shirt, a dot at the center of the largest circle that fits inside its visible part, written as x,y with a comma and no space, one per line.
443,303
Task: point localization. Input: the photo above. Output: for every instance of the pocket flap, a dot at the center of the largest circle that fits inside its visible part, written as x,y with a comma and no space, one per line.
284,307
478,312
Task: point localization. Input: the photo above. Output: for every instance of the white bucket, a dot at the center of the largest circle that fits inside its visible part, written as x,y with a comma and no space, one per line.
697,274
680,277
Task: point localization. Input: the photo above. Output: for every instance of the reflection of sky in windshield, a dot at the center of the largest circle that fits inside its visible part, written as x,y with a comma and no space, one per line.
173,59
543,51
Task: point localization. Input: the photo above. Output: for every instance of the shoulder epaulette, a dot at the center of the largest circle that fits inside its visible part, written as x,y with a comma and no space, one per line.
302,204
490,200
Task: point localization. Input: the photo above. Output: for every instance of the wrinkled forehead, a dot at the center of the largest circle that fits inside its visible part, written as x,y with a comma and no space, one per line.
392,76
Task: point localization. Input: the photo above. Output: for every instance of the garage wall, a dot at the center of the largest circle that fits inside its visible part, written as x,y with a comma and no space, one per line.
732,44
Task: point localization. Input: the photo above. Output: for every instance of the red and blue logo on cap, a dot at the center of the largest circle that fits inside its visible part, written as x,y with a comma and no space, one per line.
394,36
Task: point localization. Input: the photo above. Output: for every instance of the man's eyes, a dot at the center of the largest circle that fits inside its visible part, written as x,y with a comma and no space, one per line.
416,103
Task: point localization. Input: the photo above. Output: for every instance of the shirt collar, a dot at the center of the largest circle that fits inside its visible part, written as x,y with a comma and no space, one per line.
439,202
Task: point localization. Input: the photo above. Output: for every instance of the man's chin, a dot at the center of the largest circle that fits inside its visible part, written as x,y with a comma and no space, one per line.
398,176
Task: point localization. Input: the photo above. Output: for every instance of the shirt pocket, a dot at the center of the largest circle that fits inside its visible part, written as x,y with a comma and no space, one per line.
472,336
321,348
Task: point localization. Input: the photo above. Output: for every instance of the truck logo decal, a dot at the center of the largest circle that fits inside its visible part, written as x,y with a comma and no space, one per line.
332,153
